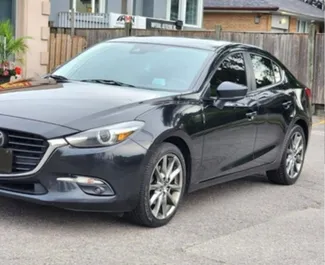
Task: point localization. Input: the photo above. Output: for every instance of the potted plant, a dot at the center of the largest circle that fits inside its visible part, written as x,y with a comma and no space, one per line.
10,50
8,72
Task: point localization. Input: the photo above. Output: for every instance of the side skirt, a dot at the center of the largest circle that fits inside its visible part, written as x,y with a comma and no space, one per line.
230,177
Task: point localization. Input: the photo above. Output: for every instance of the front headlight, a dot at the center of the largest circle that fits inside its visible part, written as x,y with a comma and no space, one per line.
105,136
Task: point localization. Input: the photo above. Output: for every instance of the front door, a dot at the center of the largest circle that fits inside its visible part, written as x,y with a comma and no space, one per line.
229,130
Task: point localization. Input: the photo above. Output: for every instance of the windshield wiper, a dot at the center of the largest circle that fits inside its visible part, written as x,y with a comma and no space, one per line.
57,77
107,82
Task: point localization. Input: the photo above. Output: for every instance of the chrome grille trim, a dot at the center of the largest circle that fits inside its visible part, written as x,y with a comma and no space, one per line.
52,146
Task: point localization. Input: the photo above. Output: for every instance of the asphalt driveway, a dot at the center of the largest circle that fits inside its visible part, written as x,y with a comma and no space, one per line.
249,221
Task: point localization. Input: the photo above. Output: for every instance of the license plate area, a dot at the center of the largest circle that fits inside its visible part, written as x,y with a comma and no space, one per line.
6,158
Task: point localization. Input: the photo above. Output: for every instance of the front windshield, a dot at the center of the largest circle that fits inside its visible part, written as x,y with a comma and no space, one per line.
150,66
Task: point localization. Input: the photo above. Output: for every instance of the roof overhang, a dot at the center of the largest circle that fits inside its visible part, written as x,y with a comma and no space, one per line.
255,9
273,10
238,11
298,15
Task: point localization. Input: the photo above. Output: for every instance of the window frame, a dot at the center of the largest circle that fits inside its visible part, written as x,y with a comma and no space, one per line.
215,65
102,6
299,22
280,71
252,74
182,13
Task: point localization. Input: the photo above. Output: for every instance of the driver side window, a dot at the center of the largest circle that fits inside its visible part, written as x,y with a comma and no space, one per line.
231,69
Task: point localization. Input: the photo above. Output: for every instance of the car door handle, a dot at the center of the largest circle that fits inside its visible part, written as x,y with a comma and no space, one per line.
251,115
287,104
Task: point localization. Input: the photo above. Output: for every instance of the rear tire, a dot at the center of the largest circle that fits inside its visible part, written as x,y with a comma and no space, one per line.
293,157
162,188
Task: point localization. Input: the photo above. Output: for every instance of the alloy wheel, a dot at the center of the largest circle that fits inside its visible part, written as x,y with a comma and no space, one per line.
295,155
166,186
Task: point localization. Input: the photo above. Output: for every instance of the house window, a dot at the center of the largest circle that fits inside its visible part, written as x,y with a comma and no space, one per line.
174,9
189,11
89,6
302,26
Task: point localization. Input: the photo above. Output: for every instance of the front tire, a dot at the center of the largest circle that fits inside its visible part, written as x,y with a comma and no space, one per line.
293,156
162,188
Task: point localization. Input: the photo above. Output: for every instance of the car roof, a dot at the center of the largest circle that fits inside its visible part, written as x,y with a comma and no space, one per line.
206,44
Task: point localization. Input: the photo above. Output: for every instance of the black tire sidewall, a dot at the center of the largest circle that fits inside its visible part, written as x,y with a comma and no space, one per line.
161,150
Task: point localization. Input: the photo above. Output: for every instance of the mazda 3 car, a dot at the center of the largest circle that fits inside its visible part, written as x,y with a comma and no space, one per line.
131,124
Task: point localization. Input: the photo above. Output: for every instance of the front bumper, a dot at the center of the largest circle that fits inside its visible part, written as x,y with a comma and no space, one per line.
119,166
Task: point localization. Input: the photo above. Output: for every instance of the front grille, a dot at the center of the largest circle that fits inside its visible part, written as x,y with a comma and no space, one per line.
28,150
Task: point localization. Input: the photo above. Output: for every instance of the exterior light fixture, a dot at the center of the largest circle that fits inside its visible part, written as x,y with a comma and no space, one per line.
257,19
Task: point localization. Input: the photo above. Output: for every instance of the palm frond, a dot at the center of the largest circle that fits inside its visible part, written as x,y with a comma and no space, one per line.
9,45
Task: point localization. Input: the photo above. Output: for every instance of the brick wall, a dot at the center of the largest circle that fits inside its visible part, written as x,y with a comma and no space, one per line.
293,24
237,21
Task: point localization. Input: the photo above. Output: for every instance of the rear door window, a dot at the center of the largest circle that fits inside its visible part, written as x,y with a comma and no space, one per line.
277,73
263,71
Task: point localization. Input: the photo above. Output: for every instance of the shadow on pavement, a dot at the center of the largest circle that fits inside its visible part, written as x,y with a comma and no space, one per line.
25,213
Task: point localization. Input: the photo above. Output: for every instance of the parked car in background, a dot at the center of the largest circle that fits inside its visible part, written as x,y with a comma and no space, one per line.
134,123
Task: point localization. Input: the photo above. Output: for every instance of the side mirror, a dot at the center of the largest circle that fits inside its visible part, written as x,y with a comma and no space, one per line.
229,91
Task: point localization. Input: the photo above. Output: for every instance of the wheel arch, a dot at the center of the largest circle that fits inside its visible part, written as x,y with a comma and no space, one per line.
304,125
183,142
183,147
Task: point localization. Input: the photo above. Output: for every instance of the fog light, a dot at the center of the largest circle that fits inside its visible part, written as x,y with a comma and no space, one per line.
99,190
89,185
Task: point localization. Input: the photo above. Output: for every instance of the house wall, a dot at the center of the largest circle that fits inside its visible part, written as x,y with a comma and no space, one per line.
293,24
138,7
245,22
32,18
237,21
114,6
148,6
151,8
56,7
160,9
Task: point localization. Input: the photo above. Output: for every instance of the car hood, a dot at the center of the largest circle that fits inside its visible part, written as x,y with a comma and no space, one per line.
78,105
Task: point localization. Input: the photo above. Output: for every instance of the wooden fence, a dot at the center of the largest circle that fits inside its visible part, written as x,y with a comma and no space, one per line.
290,48
64,47
318,87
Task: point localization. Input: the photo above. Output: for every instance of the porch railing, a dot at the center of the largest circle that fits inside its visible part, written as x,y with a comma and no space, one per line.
83,20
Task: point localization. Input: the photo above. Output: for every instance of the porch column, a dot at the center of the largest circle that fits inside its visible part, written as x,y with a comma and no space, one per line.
93,6
32,18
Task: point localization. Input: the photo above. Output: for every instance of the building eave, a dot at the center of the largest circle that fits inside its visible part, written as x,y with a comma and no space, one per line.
239,11
299,15
230,8
273,10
